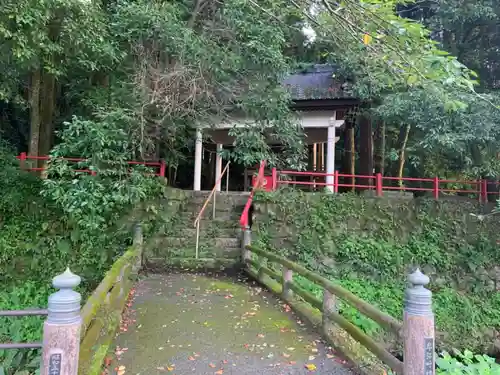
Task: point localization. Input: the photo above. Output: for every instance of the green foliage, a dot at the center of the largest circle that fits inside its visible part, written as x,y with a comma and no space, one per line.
26,329
27,259
398,55
370,245
80,221
53,35
466,363
95,202
221,63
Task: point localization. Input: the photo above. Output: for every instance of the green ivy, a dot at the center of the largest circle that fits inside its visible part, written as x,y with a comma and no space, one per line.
370,245
83,222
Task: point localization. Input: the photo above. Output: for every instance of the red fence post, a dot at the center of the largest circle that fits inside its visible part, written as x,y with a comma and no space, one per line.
378,184
162,168
484,191
435,189
336,181
274,176
22,159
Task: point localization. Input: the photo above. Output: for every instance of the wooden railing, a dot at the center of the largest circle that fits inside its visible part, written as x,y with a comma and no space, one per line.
414,343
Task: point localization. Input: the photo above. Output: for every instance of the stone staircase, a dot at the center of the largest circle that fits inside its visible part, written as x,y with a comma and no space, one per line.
220,237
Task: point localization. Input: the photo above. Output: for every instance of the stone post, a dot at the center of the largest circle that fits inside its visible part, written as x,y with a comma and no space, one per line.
138,244
418,328
329,306
247,240
138,238
287,280
61,330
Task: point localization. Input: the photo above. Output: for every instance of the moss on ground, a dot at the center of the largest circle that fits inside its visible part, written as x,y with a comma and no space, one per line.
183,317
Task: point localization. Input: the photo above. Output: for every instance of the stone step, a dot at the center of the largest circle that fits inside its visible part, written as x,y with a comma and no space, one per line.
206,232
221,198
210,227
190,252
187,216
206,193
219,207
217,242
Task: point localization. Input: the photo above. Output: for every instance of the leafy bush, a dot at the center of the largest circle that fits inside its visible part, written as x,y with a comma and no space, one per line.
70,219
466,363
370,245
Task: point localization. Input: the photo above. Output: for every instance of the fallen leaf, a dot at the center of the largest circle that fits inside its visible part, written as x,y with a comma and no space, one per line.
310,366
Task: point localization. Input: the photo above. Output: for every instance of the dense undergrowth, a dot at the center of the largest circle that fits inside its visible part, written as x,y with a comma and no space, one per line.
69,219
35,245
369,246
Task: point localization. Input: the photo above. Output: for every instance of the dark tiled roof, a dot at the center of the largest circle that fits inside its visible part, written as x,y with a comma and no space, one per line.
316,82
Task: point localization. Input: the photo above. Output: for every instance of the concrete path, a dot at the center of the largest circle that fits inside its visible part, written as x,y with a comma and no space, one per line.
183,324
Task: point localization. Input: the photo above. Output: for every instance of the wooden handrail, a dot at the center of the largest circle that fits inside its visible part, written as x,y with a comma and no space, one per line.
370,311
198,218
260,176
357,334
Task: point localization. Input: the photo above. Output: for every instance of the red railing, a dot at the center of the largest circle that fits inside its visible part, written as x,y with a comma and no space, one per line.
160,166
379,184
257,185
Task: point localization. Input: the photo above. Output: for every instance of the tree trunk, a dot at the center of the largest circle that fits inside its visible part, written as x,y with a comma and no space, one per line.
48,102
349,158
379,157
365,150
403,140
34,100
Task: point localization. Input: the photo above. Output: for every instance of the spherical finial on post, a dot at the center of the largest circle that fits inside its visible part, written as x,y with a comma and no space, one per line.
66,280
418,299
418,279
64,305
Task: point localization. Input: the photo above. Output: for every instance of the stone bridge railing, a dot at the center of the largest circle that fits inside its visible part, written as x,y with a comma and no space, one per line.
75,341
416,332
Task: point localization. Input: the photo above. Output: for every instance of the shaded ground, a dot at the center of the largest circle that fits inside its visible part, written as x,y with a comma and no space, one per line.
193,324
